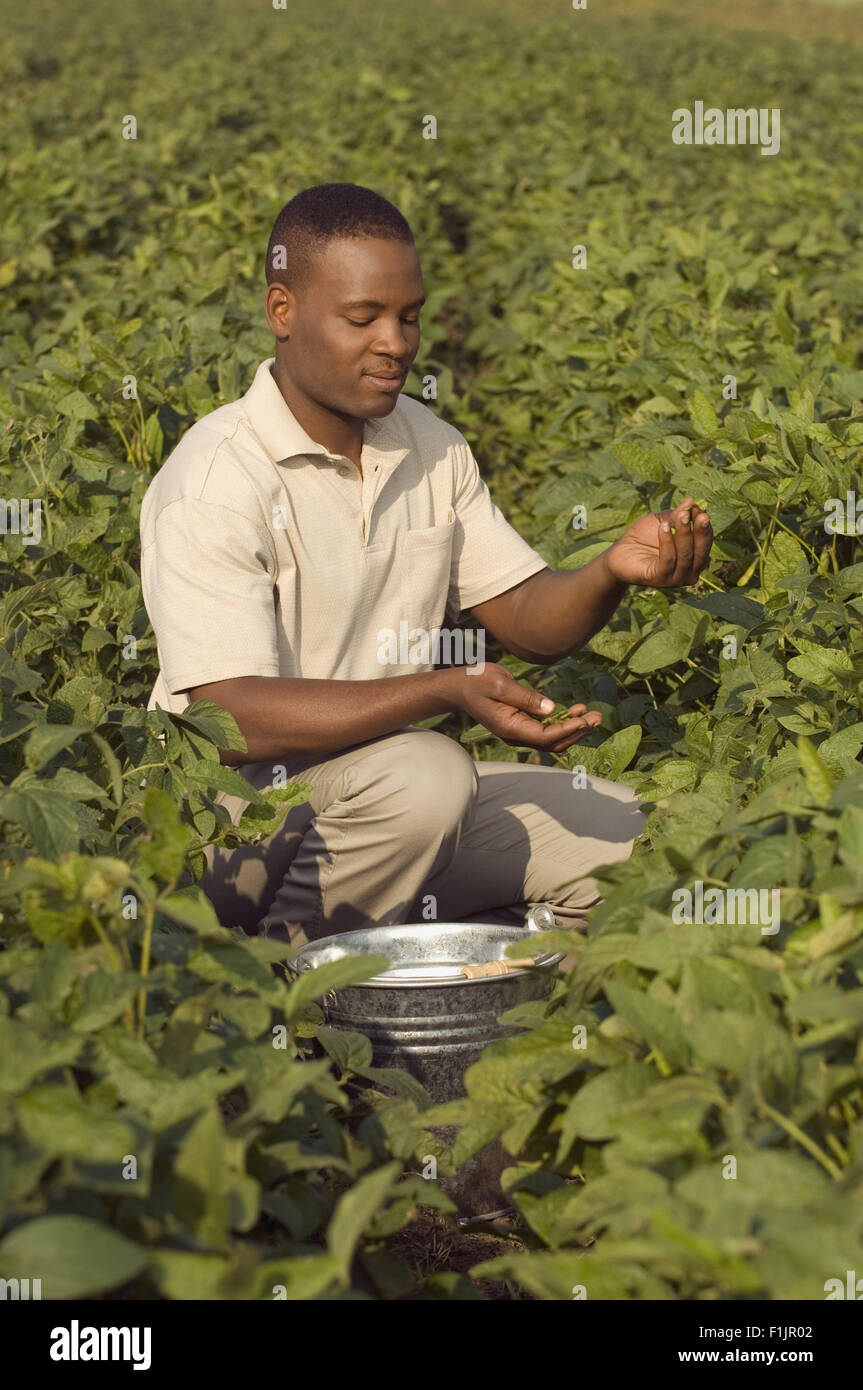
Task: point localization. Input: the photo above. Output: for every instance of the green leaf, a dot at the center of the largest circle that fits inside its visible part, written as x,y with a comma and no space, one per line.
193,910
26,1053
351,1051
752,1048
763,1180
47,741
596,1110
161,853
212,723
54,975
336,974
95,638
302,1278
47,817
99,998
555,1275
57,1119
354,1212
638,461
208,774
818,778
703,416
784,554
72,1255
612,756
186,1275
672,777
398,1081
650,1019
199,1181
839,752
234,965
654,1139
732,606
840,933
663,648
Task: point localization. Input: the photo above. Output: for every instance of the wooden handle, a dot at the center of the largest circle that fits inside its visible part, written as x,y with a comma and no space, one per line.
494,967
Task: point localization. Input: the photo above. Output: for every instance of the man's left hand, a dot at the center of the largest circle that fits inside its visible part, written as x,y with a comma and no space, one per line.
665,550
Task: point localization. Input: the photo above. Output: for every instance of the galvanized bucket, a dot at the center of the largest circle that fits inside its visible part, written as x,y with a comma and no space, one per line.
423,1016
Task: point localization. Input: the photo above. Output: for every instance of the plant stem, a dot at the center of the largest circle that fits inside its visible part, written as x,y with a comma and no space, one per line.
106,942
130,771
149,915
130,457
111,763
802,1139
799,539
839,1149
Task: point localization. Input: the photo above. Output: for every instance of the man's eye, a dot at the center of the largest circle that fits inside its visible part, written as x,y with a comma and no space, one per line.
364,323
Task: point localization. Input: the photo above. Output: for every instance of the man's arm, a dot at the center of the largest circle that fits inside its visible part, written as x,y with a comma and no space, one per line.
286,716
553,613
283,716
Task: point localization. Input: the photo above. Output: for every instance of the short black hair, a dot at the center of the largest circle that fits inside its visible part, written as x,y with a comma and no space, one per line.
316,215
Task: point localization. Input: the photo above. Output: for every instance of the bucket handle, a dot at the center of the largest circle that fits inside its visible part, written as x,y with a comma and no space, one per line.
327,1000
541,918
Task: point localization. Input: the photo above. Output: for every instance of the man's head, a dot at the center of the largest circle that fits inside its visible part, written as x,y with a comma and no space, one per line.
344,290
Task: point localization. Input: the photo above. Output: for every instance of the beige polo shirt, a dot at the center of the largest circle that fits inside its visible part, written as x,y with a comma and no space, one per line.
262,554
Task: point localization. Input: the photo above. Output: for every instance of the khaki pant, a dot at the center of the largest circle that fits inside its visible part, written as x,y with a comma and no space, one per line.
408,828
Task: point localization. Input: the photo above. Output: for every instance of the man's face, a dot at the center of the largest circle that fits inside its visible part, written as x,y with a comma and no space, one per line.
355,321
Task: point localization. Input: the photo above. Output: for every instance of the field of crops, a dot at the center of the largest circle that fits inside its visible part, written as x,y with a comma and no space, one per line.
169,1125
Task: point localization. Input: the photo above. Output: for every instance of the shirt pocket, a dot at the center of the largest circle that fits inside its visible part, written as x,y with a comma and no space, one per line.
426,572
429,537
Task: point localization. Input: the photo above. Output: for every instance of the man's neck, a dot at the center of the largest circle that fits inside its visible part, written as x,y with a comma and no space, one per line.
340,434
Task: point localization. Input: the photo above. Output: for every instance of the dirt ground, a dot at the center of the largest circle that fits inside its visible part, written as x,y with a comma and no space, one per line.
430,1245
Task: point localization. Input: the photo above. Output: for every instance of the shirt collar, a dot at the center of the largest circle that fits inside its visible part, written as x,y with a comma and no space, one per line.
283,437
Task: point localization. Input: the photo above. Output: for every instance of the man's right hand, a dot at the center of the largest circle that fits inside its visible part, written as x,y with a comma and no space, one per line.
515,712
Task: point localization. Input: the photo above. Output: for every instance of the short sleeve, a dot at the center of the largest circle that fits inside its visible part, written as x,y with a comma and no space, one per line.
208,578
489,556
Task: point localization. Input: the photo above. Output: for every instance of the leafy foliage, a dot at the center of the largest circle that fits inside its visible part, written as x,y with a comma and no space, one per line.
132,1026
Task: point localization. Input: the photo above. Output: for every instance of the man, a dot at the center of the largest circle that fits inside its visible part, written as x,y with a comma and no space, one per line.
290,529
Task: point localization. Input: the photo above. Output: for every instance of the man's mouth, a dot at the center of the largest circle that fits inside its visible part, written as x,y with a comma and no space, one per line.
385,381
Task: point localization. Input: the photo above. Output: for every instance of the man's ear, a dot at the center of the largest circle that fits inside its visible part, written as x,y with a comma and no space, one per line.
280,306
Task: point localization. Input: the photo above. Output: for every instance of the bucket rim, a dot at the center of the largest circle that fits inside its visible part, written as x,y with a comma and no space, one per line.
507,933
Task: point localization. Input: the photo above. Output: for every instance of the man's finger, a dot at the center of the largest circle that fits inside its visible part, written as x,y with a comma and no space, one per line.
568,730
520,728
524,697
562,746
667,557
703,540
683,543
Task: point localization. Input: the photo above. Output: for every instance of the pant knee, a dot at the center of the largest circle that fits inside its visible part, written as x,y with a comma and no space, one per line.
429,781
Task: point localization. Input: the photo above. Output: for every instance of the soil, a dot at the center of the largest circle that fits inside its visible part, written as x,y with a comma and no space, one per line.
433,1245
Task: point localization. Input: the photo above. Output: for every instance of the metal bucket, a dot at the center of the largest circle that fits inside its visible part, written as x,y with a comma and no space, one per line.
423,1016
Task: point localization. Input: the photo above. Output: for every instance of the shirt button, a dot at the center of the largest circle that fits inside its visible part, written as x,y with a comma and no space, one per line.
343,472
